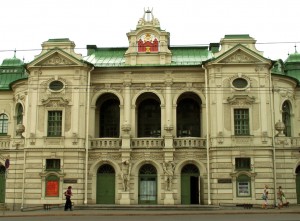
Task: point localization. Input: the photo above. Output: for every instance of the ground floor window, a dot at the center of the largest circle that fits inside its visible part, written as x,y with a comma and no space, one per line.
147,184
52,186
243,186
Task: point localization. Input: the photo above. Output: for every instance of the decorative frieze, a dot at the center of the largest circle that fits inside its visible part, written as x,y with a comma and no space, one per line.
241,100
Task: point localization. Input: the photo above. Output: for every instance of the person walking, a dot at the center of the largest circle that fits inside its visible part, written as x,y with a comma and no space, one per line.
68,195
265,197
280,196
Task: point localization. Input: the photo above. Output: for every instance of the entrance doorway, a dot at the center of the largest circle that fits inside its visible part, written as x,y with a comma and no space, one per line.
190,185
105,185
148,184
2,184
298,184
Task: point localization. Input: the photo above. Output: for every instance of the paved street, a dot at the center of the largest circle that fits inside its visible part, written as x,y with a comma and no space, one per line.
223,214
197,217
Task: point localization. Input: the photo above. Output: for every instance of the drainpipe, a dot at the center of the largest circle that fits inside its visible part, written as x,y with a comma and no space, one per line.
87,135
273,136
207,136
25,145
23,179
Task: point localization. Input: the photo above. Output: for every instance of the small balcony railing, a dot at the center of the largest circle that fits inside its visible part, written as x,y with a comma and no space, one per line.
105,143
4,142
189,142
147,143
287,142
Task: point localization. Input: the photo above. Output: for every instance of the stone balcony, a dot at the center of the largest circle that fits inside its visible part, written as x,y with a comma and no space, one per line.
287,142
148,142
105,143
189,142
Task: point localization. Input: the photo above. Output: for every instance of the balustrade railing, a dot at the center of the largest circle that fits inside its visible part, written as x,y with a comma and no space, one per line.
4,142
189,142
147,143
105,143
292,142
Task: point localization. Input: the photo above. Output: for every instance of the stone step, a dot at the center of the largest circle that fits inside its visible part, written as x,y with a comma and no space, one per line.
146,207
3,207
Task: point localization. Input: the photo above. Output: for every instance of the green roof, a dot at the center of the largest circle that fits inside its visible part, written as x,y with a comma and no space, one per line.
11,70
12,62
293,58
109,57
58,39
237,36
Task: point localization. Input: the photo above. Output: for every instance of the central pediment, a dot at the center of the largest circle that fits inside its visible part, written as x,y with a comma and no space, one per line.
240,55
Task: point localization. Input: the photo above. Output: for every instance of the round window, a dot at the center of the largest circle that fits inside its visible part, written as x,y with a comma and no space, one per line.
240,83
56,85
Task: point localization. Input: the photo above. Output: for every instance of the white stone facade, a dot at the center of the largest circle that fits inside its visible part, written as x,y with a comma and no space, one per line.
270,159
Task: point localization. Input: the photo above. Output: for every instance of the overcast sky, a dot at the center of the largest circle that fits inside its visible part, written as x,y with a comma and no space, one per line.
26,24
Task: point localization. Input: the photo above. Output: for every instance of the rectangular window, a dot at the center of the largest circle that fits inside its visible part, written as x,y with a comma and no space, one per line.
54,123
242,163
241,122
52,164
3,124
243,188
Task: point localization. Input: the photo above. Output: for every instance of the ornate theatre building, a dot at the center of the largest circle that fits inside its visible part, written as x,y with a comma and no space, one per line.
150,123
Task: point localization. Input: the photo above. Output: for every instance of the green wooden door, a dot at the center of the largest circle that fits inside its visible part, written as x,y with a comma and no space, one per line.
298,188
2,184
190,185
105,185
185,189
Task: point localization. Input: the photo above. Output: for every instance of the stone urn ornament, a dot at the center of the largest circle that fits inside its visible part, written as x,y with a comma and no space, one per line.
19,130
279,126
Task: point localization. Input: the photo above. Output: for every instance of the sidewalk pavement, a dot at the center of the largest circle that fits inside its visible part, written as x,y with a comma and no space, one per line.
142,212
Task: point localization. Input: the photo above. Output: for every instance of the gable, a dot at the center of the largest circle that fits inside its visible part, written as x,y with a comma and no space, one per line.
239,55
55,57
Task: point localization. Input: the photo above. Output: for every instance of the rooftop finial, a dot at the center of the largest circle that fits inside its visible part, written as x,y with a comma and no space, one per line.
148,19
148,16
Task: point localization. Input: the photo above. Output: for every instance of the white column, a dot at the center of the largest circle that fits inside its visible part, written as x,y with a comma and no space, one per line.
126,126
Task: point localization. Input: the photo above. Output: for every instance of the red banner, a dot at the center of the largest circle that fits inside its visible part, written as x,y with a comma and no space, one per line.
52,188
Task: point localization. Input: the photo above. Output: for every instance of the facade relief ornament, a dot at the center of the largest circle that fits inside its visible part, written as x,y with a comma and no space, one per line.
241,100
125,174
57,60
286,94
32,139
55,103
168,168
61,96
240,58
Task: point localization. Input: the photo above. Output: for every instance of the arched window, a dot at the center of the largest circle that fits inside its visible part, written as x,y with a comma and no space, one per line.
3,124
188,116
149,118
19,114
109,116
286,118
